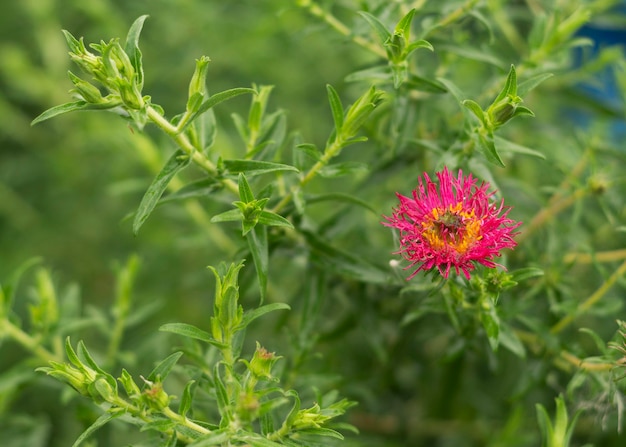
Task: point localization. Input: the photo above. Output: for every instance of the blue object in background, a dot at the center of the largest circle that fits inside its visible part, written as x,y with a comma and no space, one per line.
604,89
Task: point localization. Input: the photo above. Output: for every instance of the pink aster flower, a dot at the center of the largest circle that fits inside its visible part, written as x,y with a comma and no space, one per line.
453,224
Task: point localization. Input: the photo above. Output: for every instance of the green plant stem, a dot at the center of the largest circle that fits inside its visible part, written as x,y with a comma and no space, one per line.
564,357
152,159
30,343
547,213
315,10
458,13
588,258
589,302
183,142
182,420
330,152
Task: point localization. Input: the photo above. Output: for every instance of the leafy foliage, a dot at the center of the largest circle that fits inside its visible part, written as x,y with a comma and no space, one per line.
297,190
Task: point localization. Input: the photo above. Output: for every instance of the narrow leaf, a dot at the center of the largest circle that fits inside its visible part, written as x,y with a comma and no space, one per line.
476,110
380,28
504,145
190,331
216,437
101,421
273,220
162,370
177,162
343,168
228,216
218,98
419,44
531,83
337,261
255,167
425,85
245,192
340,197
257,242
510,86
488,149
252,315
185,400
132,47
335,107
70,107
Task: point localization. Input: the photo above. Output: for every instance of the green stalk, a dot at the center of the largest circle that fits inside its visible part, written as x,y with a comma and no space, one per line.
589,302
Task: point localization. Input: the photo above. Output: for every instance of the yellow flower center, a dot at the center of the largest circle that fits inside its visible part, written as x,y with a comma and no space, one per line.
452,228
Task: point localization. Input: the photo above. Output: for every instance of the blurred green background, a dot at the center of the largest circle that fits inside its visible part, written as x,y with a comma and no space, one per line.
67,186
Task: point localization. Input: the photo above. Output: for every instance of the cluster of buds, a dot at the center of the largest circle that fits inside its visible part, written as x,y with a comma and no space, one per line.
86,377
112,68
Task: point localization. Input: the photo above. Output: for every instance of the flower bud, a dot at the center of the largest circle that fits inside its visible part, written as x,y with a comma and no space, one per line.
262,362
198,80
154,395
87,91
129,94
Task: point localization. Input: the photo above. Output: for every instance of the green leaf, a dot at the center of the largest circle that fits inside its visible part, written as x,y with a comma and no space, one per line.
419,83
476,110
510,86
186,398
510,341
217,437
418,44
162,370
245,192
176,163
378,26
71,107
340,197
453,89
335,107
84,353
223,403
161,425
327,432
522,111
273,220
228,216
131,48
252,315
255,167
344,168
404,25
101,421
340,262
257,242
525,273
488,149
503,145
473,53
491,324
531,83
7,290
214,100
199,188
190,331
255,440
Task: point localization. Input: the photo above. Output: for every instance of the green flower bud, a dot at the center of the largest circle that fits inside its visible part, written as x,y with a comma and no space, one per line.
87,91
360,111
102,391
198,80
262,362
79,379
129,94
154,395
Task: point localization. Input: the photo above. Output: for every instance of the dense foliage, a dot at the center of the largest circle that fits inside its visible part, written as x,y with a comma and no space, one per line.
276,159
